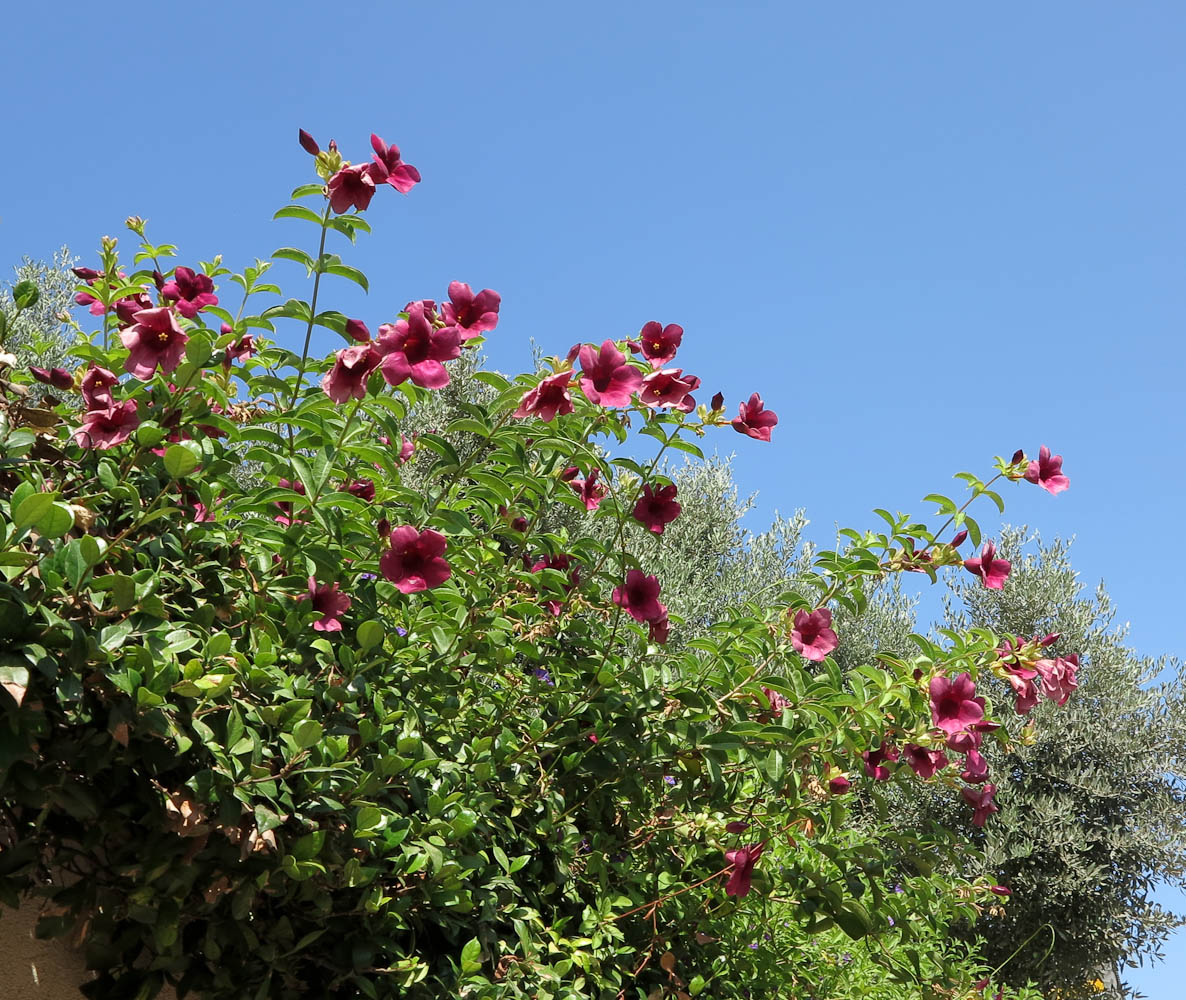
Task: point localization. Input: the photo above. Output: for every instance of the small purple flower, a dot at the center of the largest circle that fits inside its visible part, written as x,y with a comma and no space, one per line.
543,675
669,779
367,576
401,630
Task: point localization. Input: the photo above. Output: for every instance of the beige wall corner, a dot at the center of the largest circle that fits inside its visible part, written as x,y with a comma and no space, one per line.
39,970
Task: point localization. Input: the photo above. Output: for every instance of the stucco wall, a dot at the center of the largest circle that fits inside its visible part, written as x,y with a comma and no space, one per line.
39,970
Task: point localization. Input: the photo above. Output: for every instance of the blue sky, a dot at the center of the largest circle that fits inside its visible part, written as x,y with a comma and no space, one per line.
927,233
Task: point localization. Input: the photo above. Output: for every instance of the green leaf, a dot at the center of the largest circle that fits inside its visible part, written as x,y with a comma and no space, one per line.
307,732
854,919
471,955
181,460
298,212
25,294
305,190
56,521
293,254
353,273
369,635
30,510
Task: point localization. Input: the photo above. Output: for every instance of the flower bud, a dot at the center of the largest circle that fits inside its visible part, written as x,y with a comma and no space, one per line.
1018,456
158,279
519,524
59,378
87,274
308,143
737,826
136,224
357,329
383,528
718,402
226,328
839,785
959,539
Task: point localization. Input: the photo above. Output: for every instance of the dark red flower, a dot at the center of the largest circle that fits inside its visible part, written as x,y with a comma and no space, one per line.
191,291
590,490
472,314
639,597
754,419
812,635
347,379
1046,471
743,860
244,347
839,785
108,427
954,705
155,340
669,387
980,799
989,568
875,761
606,378
547,399
329,602
925,763
659,630
414,348
96,387
351,187
975,768
390,169
59,378
656,510
415,560
364,489
658,343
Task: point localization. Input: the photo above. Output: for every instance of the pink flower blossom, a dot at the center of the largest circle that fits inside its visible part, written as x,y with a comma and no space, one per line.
347,379
473,315
351,187
1059,677
155,340
669,387
590,490
754,419
329,602
658,343
96,387
547,399
414,348
980,799
923,762
954,705
243,348
606,378
777,701
286,515
875,761
991,570
407,448
108,427
415,560
364,489
656,509
812,635
743,860
975,768
390,169
659,630
191,291
639,597
1046,471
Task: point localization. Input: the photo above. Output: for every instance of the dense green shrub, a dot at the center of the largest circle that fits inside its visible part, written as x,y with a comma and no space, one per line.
300,705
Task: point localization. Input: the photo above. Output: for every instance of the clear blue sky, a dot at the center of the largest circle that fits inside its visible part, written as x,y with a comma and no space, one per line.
928,232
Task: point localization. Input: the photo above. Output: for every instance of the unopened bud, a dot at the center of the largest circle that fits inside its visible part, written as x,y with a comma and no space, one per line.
308,143
136,224
959,539
333,146
718,402
87,274
158,279
383,528
1018,456
357,329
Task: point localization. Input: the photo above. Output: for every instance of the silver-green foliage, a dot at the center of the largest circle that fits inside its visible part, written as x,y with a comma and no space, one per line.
40,335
